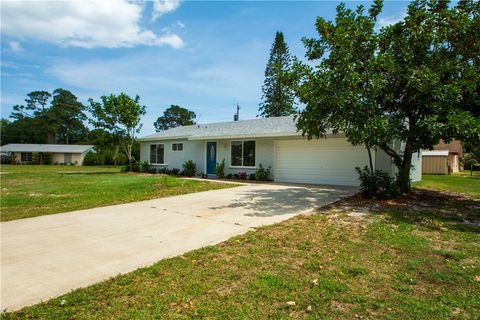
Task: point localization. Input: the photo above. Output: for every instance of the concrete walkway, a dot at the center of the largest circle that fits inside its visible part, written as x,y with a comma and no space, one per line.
47,256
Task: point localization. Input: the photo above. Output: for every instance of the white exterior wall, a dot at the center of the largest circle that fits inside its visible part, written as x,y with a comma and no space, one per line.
264,154
59,158
192,150
384,162
416,172
195,150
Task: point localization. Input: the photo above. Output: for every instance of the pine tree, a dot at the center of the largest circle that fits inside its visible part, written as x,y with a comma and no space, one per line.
278,98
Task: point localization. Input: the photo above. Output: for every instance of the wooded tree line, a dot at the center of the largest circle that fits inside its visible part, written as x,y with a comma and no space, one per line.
59,118
110,124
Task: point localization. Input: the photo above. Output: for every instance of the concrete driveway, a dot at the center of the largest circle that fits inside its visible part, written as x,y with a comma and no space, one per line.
46,256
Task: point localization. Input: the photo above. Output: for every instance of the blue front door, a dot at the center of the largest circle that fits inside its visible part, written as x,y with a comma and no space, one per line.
211,157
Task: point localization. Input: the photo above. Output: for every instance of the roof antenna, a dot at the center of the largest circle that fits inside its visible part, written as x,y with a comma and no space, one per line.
236,116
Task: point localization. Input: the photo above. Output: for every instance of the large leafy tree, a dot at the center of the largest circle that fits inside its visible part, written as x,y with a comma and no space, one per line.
414,82
36,101
278,98
24,130
173,117
66,117
48,118
119,115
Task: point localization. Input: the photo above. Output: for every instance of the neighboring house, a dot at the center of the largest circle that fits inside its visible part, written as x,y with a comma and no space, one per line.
272,142
61,153
444,159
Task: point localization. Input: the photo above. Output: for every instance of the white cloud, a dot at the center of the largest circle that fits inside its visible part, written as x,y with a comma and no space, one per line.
386,21
15,46
172,40
180,24
87,24
161,7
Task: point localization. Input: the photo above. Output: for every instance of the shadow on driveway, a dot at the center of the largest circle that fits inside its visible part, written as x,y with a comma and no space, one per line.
282,199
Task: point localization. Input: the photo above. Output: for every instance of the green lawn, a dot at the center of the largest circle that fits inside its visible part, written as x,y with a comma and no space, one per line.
30,191
461,182
413,258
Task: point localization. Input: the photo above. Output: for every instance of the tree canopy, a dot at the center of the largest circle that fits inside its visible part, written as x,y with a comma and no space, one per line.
173,117
278,98
119,115
47,118
66,116
415,81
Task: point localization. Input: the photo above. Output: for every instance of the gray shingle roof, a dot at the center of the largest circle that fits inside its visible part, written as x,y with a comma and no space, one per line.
66,148
261,127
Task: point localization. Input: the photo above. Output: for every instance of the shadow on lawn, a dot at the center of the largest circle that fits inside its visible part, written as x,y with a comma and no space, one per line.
291,199
74,173
429,209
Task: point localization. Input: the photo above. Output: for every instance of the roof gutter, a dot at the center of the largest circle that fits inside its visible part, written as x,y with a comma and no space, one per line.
163,138
243,136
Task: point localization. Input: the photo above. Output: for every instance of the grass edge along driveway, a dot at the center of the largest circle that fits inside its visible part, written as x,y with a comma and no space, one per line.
30,191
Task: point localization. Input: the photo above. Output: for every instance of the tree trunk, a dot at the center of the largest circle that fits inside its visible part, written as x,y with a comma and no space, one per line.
403,165
404,169
50,138
129,155
370,158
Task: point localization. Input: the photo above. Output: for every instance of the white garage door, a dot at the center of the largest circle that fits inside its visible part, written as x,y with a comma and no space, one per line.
323,161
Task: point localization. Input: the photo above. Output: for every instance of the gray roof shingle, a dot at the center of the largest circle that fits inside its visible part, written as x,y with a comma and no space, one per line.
261,127
60,148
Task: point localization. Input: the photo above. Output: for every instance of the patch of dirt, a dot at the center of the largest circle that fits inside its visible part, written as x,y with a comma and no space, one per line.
455,207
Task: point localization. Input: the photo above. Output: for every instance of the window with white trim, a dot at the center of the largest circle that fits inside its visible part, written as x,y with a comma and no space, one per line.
26,157
177,146
157,153
242,153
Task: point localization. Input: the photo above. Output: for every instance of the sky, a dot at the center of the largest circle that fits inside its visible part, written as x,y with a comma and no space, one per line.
206,56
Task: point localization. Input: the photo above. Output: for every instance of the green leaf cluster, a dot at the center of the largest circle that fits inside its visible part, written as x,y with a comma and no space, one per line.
173,117
278,97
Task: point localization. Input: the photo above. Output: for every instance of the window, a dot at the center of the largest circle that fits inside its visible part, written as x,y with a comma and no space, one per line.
177,146
243,153
67,157
26,156
156,153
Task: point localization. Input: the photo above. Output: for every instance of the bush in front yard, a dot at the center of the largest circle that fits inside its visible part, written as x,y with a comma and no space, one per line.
379,185
220,169
90,159
144,166
262,173
189,168
136,167
7,158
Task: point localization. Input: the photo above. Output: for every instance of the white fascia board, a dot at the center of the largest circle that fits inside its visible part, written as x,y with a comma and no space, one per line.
163,138
246,136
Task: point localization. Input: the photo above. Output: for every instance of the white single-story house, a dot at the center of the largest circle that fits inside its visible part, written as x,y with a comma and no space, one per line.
272,142
61,153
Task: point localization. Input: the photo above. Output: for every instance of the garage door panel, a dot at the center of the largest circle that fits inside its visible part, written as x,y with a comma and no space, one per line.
329,161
